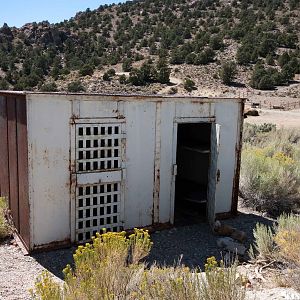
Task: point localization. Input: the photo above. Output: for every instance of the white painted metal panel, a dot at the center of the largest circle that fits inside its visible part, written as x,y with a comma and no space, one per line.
194,110
49,176
104,177
140,146
149,157
166,163
98,109
227,115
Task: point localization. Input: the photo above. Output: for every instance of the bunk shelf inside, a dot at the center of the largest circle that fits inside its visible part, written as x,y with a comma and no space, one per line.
198,149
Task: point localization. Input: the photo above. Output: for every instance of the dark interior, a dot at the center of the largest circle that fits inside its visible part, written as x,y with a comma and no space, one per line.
193,156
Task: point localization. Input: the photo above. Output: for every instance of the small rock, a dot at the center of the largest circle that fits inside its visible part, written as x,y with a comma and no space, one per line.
230,245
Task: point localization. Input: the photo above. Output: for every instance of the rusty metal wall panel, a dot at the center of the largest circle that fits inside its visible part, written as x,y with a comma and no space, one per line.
13,159
22,142
4,175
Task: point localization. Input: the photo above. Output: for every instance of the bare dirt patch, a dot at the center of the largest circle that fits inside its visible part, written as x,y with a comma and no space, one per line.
287,119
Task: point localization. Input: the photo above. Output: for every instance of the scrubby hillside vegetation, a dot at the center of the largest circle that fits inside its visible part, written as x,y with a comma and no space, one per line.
270,170
257,39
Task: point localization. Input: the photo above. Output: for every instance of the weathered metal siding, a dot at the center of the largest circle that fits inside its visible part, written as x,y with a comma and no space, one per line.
140,149
228,117
22,156
150,132
49,169
4,171
166,162
13,160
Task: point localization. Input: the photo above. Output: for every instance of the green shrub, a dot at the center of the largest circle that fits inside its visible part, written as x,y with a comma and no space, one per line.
189,84
264,245
228,72
221,281
111,72
270,169
269,179
122,79
106,77
86,70
3,84
287,237
127,65
75,87
253,133
280,243
49,87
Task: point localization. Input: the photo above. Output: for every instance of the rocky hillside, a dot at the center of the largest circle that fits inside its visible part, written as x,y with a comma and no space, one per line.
207,47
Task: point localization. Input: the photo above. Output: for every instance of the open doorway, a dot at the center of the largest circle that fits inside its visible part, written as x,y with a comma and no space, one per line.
193,163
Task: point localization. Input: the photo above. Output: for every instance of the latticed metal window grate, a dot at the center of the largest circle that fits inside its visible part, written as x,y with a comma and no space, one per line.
97,207
99,156
98,147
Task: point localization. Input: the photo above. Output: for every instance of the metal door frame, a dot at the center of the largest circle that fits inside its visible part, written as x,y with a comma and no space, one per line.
212,121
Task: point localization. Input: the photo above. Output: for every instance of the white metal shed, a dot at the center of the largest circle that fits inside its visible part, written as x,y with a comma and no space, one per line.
86,162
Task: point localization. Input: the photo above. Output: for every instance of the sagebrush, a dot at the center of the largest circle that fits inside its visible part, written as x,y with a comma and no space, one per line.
270,169
280,242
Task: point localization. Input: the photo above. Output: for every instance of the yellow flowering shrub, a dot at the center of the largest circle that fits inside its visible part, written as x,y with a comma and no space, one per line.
280,242
46,288
110,268
222,282
102,269
287,237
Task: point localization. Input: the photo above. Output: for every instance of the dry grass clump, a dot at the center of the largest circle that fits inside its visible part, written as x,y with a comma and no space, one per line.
111,268
270,170
281,243
5,229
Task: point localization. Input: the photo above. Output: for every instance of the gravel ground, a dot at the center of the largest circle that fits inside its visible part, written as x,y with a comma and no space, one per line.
193,243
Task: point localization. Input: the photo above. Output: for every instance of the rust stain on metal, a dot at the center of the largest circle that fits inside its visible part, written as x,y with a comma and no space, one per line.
4,173
238,151
153,228
157,156
66,243
218,175
73,119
